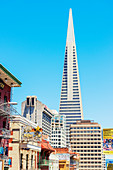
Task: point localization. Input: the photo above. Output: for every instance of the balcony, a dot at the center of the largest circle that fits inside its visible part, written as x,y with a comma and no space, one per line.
44,162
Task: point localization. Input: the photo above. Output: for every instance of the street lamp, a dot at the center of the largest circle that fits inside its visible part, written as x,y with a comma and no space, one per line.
11,103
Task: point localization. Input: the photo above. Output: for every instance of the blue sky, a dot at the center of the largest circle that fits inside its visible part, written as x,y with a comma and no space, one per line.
32,46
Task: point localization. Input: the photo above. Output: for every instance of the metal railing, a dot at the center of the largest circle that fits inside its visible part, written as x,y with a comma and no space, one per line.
44,162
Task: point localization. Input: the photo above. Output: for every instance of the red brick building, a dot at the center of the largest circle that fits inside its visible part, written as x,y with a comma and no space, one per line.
7,81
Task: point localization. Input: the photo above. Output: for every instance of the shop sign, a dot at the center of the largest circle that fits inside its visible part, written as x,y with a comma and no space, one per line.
108,141
2,84
64,156
29,132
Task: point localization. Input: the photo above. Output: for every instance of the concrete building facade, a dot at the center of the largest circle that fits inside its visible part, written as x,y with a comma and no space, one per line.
70,100
24,147
58,136
38,113
85,138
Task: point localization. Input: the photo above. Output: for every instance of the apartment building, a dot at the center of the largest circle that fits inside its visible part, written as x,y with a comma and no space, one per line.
38,113
85,139
58,137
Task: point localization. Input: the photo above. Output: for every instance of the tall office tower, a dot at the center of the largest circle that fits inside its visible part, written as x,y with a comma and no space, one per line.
70,101
38,113
58,136
86,139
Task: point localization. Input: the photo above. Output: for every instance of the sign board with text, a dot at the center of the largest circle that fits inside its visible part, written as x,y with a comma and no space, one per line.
108,141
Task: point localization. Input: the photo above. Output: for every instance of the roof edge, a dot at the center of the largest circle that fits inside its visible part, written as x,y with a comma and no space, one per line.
10,75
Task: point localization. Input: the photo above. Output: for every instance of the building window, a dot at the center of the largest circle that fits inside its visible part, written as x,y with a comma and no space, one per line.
31,161
27,101
27,162
21,162
4,124
32,100
5,101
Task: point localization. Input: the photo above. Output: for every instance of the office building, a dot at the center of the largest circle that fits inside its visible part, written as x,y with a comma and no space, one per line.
58,137
38,113
86,139
70,100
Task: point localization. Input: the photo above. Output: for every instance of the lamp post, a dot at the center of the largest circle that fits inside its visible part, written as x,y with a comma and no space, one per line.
10,103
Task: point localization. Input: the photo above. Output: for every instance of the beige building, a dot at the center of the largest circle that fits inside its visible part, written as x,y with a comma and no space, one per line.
38,113
23,145
85,139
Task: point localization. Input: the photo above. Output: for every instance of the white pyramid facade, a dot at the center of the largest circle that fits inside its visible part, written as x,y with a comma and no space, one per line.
70,101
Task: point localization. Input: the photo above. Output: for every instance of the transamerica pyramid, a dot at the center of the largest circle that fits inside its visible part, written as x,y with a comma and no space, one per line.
70,100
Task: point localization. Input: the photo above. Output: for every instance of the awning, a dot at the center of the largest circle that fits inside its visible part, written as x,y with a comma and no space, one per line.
45,145
29,146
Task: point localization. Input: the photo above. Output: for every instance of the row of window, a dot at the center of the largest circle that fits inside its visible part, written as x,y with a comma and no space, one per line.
85,138
69,107
88,135
27,157
91,162
71,111
70,104
57,143
73,54
88,143
46,117
56,139
85,131
85,146
85,128
70,114
89,151
89,154
90,167
96,158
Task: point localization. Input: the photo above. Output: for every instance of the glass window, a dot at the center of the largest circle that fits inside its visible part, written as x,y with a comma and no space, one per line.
21,161
31,162
27,162
32,101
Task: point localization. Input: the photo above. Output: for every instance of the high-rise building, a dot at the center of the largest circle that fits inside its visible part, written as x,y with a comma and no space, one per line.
38,113
58,136
70,101
86,139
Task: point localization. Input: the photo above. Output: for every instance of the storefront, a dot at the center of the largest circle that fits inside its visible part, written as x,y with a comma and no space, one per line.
25,144
43,157
68,160
54,162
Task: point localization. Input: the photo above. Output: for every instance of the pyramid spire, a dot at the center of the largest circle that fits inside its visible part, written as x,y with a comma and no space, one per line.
70,31
70,101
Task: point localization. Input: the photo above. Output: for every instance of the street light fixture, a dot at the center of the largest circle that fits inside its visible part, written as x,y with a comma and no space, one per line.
10,103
